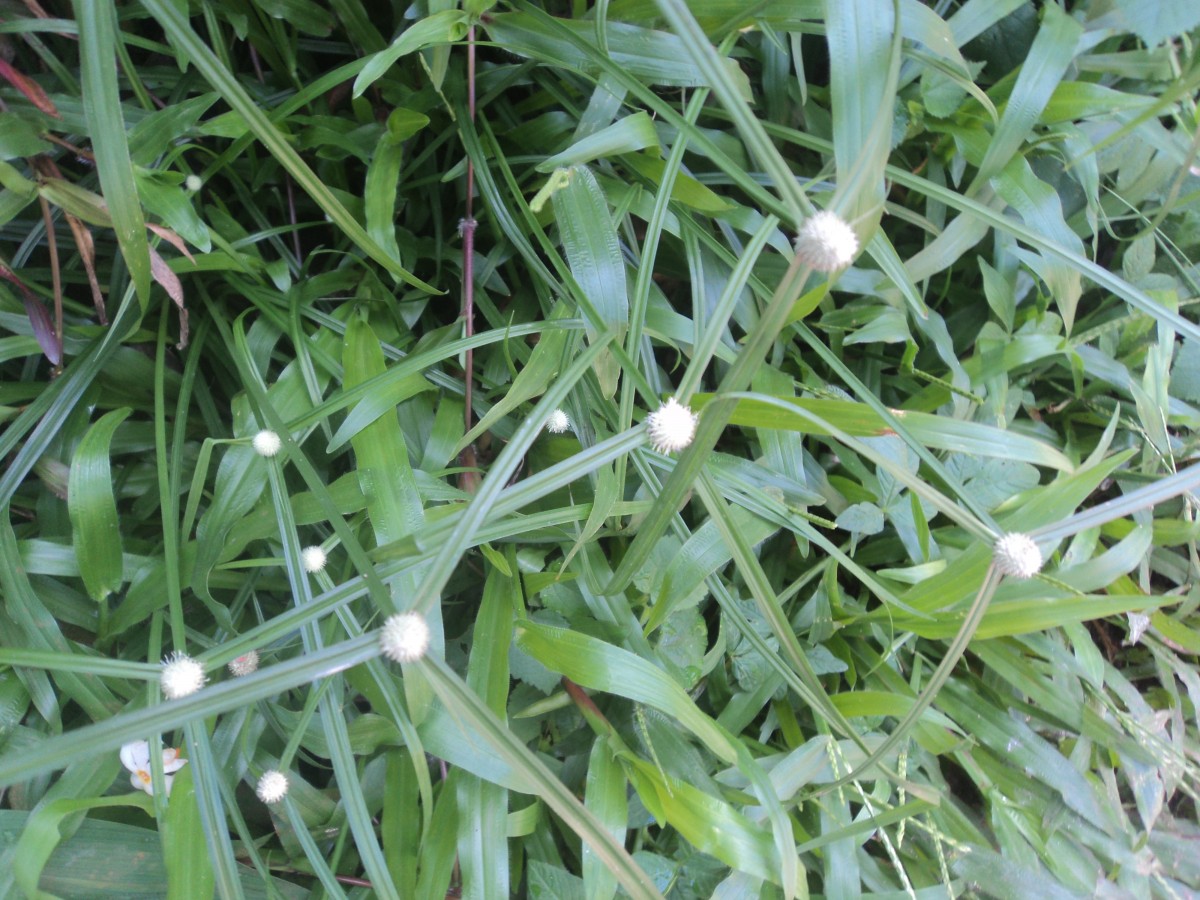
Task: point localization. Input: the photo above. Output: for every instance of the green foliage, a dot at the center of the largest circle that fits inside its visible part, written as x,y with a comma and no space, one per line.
780,662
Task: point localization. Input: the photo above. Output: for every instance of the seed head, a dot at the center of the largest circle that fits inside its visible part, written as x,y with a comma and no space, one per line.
313,559
404,637
181,676
246,664
826,242
558,422
671,427
1017,555
267,443
272,787
193,183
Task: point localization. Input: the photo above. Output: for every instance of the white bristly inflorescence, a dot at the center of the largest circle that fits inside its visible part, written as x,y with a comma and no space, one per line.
181,676
404,637
267,443
272,787
246,664
558,422
1017,555
313,559
671,427
826,242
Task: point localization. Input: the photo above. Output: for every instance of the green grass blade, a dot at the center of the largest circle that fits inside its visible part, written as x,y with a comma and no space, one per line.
95,531
185,839
475,713
591,247
102,103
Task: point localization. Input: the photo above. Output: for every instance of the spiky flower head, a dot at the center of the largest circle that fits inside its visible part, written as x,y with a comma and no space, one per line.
404,637
671,427
558,422
181,676
246,664
1017,555
826,242
267,443
272,787
193,183
313,559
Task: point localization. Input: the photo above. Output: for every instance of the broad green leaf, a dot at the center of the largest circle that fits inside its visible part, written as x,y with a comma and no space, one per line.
105,859
482,805
626,135
95,529
590,243
604,795
603,667
19,138
102,103
655,57
1155,22
189,867
381,455
444,27
707,823
41,835
375,406
686,189
1048,58
303,15
860,34
859,420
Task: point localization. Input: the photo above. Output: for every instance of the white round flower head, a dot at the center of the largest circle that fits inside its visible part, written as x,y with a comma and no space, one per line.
267,443
181,676
272,787
246,664
313,559
671,427
1017,555
404,637
826,242
558,422
193,183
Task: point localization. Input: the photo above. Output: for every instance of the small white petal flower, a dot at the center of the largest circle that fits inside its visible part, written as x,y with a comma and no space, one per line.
193,183
313,559
246,664
181,676
558,423
1017,555
267,443
404,637
826,242
671,427
135,757
272,787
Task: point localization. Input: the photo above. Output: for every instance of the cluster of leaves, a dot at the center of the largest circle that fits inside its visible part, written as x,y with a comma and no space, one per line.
779,662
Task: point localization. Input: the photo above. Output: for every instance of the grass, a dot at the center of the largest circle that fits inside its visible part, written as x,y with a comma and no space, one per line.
781,662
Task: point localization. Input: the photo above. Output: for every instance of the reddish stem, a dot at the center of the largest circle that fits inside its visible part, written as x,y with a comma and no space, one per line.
468,235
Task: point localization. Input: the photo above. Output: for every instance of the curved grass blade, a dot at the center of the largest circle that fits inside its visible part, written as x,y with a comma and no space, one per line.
95,531
102,103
